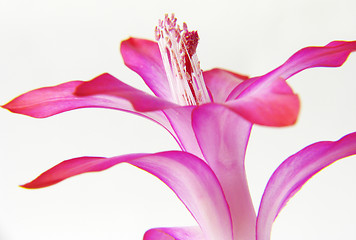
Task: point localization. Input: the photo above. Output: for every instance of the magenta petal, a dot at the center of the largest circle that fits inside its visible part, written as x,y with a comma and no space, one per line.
48,101
73,167
333,54
266,100
111,87
184,233
188,176
275,105
223,137
143,57
293,173
221,82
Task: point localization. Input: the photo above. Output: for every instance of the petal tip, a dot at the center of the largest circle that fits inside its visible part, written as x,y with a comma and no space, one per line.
6,106
27,186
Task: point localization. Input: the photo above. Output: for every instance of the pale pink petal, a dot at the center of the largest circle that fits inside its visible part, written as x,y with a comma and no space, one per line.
189,177
143,57
293,173
223,137
48,101
181,121
221,82
266,100
182,233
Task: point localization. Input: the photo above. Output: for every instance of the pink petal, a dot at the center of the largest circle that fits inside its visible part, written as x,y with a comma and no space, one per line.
223,137
143,57
181,121
48,101
294,172
221,82
259,93
275,105
110,87
333,54
188,176
186,233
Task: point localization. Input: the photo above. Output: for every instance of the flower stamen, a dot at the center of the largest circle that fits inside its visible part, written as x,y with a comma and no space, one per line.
178,50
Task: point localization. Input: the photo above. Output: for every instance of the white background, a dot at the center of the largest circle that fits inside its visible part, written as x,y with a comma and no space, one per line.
44,43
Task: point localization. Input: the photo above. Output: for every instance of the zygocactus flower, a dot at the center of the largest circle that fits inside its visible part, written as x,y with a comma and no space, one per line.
210,115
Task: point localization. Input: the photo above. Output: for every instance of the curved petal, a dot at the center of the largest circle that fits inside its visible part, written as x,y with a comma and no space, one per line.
143,57
221,82
275,105
189,177
181,122
109,86
48,101
293,173
186,233
273,91
223,138
333,54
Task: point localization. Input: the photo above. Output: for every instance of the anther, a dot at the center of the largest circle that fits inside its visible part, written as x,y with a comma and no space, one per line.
178,49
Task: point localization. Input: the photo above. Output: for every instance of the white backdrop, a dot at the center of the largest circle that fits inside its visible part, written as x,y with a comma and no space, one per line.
44,43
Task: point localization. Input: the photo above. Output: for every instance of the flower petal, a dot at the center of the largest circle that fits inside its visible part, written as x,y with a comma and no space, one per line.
111,87
221,82
188,176
223,137
259,93
186,233
275,105
333,54
181,122
143,57
293,173
48,101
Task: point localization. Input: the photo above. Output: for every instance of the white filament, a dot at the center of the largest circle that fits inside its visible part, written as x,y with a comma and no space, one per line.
187,87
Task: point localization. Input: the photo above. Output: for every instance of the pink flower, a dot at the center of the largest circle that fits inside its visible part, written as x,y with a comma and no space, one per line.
265,100
210,114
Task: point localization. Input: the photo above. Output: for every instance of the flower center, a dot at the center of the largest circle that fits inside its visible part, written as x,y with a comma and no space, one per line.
178,50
